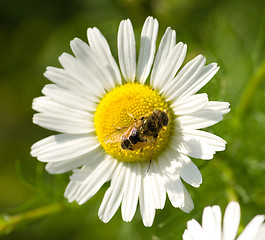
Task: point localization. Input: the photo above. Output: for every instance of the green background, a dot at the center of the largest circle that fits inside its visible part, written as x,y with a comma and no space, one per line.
32,36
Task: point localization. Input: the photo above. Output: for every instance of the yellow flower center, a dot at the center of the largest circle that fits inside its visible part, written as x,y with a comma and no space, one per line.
121,110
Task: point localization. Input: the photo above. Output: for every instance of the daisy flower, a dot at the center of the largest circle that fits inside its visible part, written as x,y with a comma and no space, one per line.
211,228
92,100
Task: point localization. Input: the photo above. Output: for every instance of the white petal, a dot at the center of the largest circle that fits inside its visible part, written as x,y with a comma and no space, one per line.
70,190
61,118
82,74
217,143
187,205
147,208
147,48
251,231
131,193
168,41
95,180
185,78
62,78
101,47
171,65
48,106
126,50
165,161
192,147
174,188
231,221
80,175
201,119
211,222
62,125
63,147
69,98
204,77
261,233
222,107
70,164
100,158
157,185
195,230
172,182
89,180
113,196
64,81
90,61
187,236
154,181
189,172
190,104
64,166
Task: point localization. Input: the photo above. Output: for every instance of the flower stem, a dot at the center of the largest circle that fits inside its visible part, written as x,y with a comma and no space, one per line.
9,223
250,90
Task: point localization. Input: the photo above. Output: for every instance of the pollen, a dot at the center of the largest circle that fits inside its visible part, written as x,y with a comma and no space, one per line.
119,110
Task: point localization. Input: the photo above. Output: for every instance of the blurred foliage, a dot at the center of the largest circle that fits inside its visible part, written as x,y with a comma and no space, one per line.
34,33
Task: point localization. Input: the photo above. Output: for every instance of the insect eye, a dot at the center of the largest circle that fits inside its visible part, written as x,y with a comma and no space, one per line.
165,119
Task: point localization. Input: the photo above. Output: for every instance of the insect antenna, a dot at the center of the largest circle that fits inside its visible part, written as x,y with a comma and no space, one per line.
130,115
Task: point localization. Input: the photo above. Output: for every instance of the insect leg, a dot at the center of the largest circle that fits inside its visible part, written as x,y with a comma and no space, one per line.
148,167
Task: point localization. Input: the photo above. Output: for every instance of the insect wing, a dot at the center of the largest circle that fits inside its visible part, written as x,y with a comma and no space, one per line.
117,135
